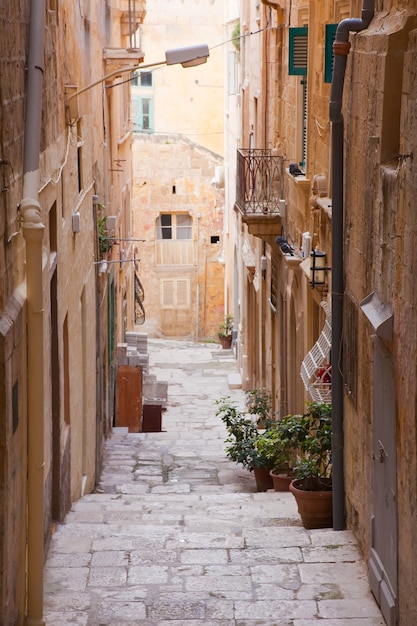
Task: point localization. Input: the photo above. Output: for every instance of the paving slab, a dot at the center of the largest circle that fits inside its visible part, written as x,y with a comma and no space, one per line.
176,534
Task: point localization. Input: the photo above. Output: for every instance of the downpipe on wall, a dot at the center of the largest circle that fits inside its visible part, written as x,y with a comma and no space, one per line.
33,232
341,49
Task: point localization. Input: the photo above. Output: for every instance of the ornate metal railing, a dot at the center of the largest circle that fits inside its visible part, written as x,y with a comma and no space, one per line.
259,181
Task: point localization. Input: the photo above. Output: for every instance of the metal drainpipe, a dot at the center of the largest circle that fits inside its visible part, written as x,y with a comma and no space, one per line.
33,232
341,48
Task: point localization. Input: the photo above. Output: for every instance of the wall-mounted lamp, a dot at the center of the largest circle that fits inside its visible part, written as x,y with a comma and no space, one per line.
318,268
187,57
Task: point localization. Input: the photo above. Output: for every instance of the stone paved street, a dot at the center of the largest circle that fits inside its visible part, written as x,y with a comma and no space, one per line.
177,535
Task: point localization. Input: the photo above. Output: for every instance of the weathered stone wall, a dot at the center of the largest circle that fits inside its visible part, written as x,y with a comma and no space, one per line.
380,242
13,424
187,101
76,164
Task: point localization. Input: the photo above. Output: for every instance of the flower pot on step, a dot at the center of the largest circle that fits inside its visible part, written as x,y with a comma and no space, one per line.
314,507
280,479
263,479
226,342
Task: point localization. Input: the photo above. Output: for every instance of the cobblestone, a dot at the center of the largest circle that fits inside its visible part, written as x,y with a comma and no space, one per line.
176,535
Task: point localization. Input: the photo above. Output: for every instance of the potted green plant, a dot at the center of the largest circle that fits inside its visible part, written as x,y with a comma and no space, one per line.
270,448
225,331
312,487
246,442
288,435
259,404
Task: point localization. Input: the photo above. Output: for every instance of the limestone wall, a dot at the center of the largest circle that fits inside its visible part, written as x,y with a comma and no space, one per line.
380,218
176,176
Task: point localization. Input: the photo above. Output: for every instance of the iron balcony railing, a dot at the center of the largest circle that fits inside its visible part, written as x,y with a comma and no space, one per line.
259,181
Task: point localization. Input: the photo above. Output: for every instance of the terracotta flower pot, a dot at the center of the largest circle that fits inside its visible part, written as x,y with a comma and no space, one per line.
280,479
263,479
226,342
314,507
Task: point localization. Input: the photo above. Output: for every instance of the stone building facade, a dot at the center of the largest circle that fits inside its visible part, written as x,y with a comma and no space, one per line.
175,100
179,173
329,167
178,208
55,352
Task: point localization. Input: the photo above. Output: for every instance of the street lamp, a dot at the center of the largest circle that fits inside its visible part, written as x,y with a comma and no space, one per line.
189,56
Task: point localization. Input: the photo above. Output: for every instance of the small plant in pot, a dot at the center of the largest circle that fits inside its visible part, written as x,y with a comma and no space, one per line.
270,448
244,442
225,331
312,487
259,404
288,436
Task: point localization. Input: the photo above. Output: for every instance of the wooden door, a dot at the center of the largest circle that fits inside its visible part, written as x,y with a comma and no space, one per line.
383,560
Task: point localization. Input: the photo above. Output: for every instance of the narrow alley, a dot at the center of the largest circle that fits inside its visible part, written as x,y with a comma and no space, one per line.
177,534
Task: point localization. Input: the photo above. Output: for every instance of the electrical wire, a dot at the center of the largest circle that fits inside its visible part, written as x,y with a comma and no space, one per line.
56,180
223,43
150,131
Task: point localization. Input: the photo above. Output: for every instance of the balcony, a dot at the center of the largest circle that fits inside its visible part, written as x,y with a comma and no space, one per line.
119,58
259,184
133,13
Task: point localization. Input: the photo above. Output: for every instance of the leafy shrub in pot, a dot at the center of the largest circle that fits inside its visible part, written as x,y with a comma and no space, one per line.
312,488
313,468
250,433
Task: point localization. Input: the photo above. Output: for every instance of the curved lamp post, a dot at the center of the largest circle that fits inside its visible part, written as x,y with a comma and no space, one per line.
189,56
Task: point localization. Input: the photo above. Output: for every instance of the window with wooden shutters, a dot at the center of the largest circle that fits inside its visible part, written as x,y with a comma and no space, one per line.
328,52
183,293
298,51
175,293
174,244
174,226
297,66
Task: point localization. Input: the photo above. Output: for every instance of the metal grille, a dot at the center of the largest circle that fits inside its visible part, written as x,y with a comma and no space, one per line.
304,125
315,369
139,298
258,181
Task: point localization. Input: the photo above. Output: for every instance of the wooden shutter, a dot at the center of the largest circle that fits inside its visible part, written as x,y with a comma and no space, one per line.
167,293
328,52
183,288
175,293
298,51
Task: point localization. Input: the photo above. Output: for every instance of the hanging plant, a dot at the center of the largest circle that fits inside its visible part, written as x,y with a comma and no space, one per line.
236,36
104,243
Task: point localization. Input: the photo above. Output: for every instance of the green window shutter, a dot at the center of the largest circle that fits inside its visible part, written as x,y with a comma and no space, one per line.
328,52
298,51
